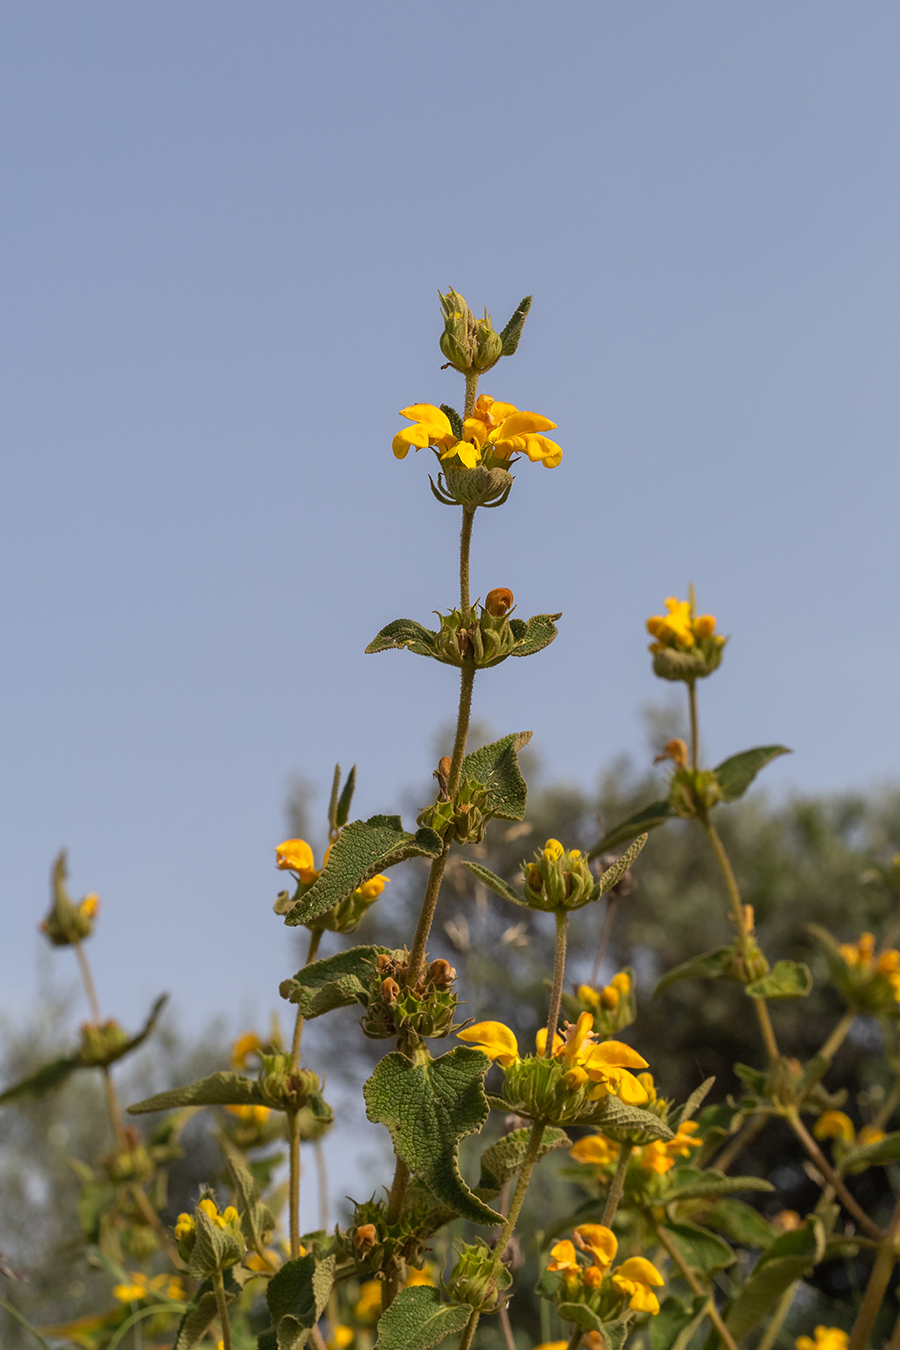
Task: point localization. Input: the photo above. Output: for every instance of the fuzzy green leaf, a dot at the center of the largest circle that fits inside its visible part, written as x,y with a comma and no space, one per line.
885,1151
428,1108
497,767
54,1074
364,848
616,872
417,1320
786,979
740,1222
336,982
257,1220
213,1249
297,1295
618,1120
581,1315
737,773
495,883
402,633
697,1184
693,1103
197,1320
220,1089
504,1159
714,965
648,818
788,1259
676,1322
510,335
343,804
702,1250
453,417
534,634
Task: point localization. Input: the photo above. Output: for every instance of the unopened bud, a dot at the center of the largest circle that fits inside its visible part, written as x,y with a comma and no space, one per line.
499,601
441,973
390,990
676,750
366,1237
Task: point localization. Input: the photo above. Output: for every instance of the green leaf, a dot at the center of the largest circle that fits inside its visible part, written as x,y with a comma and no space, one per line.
702,1250
740,1222
694,1101
363,849
220,1089
428,1108
346,797
417,1320
657,813
453,417
713,1183
786,979
513,331
618,1120
886,1151
534,634
752,1078
333,800
675,1323
402,633
737,773
614,874
495,883
497,767
714,965
336,982
615,1333
257,1220
198,1319
581,1315
54,1074
504,1159
297,1295
213,1248
788,1259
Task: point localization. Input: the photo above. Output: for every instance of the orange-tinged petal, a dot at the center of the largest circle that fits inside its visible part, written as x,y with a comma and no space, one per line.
494,1040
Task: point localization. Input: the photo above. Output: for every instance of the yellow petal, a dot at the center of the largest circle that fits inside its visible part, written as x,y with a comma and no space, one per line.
494,1040
475,430
639,1268
522,424
617,1055
628,1089
294,855
562,1256
601,1240
540,1040
415,438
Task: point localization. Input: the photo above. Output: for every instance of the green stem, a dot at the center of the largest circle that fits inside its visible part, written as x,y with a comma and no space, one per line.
852,1206
688,1275
737,907
465,542
23,1321
315,937
773,1330
394,1211
836,1039
695,735
740,1141
463,715
575,1339
471,392
617,1186
222,1309
466,1339
559,971
877,1286
895,1335
888,1108
531,1155
293,1122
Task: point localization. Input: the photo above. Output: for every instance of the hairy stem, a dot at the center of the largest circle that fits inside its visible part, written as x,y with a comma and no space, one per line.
394,1211
688,1275
695,734
222,1309
322,1178
465,542
852,1206
762,1011
293,1123
466,1339
534,1146
617,1186
471,392
878,1283
559,971
315,937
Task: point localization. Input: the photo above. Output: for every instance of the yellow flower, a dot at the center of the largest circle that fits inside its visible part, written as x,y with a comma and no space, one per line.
563,1258
89,905
129,1293
660,1157
423,1276
679,628
540,1040
432,427
371,889
295,855
175,1290
184,1225
494,1040
368,1306
553,850
588,996
869,1135
254,1114
595,1150
600,1241
511,432
826,1338
608,1065
860,953
634,1278
834,1125
244,1046
340,1337
552,1345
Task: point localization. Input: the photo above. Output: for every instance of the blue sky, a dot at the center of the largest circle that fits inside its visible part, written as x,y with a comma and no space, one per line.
222,234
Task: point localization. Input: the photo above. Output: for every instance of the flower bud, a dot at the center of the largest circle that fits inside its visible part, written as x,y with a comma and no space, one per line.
488,345
478,1278
499,601
365,1238
67,922
101,1041
558,879
456,339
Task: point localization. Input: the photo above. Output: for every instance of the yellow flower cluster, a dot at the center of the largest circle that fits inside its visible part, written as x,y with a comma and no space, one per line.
605,1064
609,996
253,1115
657,1156
229,1218
295,855
496,434
837,1125
826,1338
141,1287
678,628
634,1279
862,956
